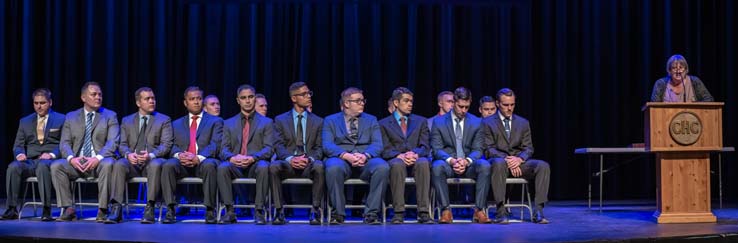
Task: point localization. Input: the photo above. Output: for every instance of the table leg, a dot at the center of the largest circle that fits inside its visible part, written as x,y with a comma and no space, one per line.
601,165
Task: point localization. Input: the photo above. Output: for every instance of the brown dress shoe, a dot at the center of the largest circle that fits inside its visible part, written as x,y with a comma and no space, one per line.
480,217
446,217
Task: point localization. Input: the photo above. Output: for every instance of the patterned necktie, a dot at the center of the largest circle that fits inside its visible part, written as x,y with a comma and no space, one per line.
403,125
245,136
87,145
192,148
459,139
353,129
141,141
40,129
299,136
507,127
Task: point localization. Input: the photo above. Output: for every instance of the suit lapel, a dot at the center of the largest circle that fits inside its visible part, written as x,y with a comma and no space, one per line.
291,125
309,124
411,125
450,127
252,129
96,119
186,125
341,123
396,127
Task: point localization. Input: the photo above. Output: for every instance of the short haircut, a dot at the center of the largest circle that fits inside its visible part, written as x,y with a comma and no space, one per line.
137,94
46,93
244,87
506,92
486,99
259,95
443,93
346,93
677,59
296,86
462,93
191,89
87,85
398,92
210,97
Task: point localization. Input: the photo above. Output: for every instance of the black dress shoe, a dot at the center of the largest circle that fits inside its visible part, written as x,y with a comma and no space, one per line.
148,216
10,213
425,218
336,219
538,218
398,218
102,215
279,219
315,217
259,217
46,215
68,215
502,219
116,214
171,216
229,217
372,219
210,216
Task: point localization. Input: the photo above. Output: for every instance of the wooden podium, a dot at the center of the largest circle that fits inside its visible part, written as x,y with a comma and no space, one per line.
682,135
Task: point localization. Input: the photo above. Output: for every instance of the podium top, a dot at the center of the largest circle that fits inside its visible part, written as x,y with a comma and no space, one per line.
682,104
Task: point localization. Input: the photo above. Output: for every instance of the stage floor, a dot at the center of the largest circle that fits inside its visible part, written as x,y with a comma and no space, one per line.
570,221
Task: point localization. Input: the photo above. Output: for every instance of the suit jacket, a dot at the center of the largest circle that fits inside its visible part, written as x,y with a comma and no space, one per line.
209,135
495,140
260,137
336,136
158,134
443,140
285,137
105,133
26,139
395,142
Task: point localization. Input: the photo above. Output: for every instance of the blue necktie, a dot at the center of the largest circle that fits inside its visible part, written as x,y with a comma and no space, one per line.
507,127
459,140
87,145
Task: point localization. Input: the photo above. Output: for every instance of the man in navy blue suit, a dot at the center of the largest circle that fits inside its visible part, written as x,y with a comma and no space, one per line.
246,151
197,136
457,146
352,141
36,145
406,148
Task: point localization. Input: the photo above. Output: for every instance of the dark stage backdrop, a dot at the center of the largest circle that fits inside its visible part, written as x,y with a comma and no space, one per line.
581,69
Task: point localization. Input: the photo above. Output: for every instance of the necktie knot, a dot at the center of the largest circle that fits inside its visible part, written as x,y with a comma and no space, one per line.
195,117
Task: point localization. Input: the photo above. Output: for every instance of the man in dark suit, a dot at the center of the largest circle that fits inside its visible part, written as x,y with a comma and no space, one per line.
508,144
246,150
89,139
145,141
445,103
197,136
457,146
36,145
405,139
352,141
299,151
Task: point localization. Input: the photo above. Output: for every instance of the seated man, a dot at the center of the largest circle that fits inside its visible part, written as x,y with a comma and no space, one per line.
508,143
457,146
36,145
405,139
352,141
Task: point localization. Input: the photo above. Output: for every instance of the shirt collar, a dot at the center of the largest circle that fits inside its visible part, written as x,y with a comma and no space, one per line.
397,116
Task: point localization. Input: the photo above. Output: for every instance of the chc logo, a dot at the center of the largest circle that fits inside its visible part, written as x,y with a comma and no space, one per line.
685,128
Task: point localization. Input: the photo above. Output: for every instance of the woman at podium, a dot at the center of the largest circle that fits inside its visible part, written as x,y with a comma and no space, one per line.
677,86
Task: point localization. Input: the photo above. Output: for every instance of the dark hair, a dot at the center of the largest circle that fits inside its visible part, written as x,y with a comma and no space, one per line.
191,89
42,92
443,93
486,99
346,93
505,92
462,93
87,85
295,86
244,87
137,94
399,91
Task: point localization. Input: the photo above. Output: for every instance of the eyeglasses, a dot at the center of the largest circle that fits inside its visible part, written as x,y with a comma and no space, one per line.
677,68
358,101
305,94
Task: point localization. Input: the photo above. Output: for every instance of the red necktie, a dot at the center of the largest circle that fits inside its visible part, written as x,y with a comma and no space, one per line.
245,136
403,125
193,136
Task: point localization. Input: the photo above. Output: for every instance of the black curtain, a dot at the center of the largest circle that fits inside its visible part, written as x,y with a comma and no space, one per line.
581,69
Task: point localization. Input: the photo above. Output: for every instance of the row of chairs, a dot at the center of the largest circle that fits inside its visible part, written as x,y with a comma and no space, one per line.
525,202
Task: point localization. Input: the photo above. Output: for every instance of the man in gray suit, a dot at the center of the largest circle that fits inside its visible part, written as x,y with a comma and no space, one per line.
36,145
197,136
145,140
445,103
299,150
457,146
352,141
89,139
246,150
508,143
405,139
